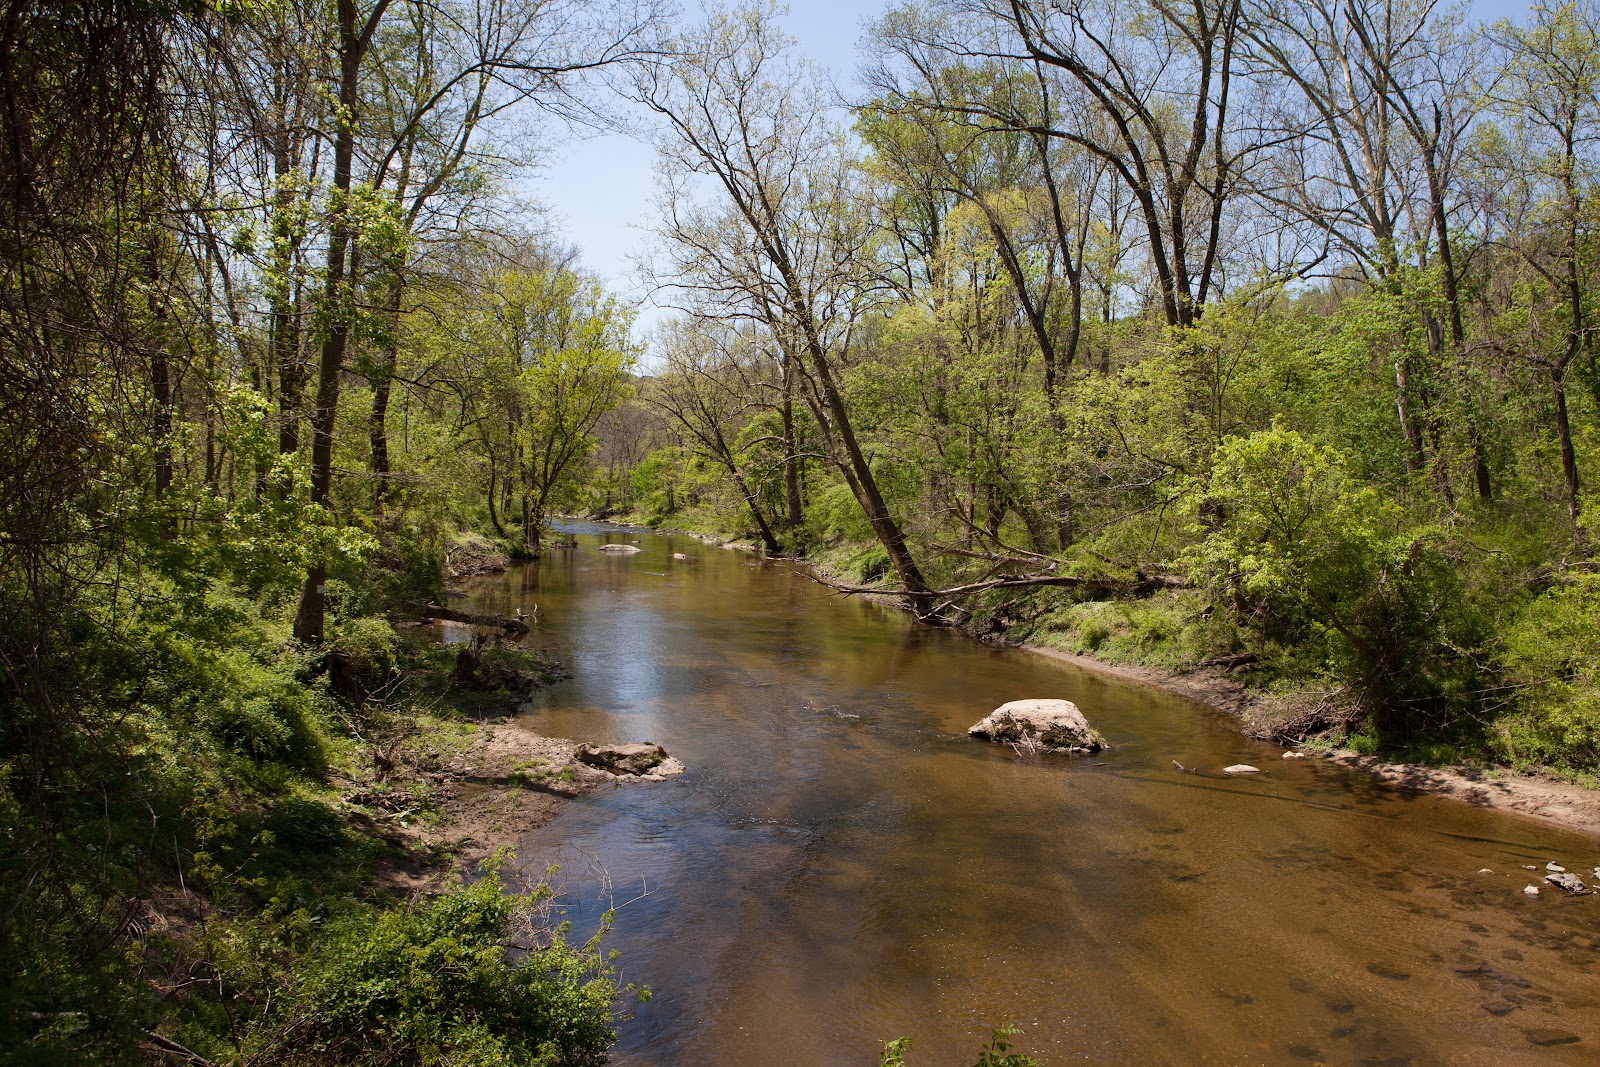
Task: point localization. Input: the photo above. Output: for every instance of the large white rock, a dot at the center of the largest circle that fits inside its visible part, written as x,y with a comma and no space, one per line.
621,550
1056,725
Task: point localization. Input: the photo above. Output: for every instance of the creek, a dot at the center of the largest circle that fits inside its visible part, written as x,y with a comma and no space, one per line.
841,865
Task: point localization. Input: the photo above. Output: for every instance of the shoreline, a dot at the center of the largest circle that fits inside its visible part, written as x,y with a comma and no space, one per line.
1546,800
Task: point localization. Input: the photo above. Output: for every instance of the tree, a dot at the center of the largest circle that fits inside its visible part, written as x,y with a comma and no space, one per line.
1164,85
1552,97
548,356
787,247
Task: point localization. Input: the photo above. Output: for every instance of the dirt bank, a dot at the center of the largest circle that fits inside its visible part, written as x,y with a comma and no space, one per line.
1560,803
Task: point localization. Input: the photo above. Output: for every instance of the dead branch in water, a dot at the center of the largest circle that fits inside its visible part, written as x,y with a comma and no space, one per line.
1141,583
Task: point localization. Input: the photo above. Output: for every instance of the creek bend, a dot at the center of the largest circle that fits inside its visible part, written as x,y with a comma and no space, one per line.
840,865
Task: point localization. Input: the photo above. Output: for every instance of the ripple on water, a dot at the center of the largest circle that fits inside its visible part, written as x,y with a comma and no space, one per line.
819,883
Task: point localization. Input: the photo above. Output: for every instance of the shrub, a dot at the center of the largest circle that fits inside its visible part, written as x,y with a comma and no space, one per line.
440,984
1552,654
1312,557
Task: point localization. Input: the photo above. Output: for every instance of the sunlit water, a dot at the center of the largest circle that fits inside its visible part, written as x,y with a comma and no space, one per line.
840,865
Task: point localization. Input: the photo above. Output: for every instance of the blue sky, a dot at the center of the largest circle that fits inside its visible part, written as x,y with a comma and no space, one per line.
598,189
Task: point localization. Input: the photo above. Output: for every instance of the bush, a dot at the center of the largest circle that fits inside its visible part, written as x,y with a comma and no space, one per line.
363,656
1552,654
440,985
1311,558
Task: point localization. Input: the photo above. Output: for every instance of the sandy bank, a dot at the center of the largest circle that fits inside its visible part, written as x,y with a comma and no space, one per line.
1548,800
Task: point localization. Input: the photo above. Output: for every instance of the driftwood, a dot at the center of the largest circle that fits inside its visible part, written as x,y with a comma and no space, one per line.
1228,663
162,1043
1139,583
516,624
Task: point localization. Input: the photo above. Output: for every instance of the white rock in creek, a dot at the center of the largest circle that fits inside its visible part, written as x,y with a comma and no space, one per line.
1570,882
624,550
679,555
1054,725
1484,870
1530,890
1294,755
1241,768
1554,868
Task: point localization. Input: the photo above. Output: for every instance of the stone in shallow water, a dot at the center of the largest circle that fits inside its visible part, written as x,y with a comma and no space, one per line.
1555,868
1570,882
1548,1038
1530,890
1241,768
621,550
1054,725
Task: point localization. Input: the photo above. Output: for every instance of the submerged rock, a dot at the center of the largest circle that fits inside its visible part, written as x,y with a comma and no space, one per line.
679,555
1530,890
624,550
1052,725
645,761
1241,768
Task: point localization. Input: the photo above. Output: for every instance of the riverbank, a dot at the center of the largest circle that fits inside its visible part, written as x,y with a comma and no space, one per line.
1548,800
1543,798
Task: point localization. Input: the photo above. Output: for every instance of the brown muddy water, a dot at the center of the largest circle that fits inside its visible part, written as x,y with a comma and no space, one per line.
840,865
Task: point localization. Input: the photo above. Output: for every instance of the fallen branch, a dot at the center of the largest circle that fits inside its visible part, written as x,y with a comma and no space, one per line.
516,624
166,1044
1142,583
1228,663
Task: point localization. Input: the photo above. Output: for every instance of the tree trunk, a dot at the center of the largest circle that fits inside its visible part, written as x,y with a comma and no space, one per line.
383,376
1569,459
791,462
310,615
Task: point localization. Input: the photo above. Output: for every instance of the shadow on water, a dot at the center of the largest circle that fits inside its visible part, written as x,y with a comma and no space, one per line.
840,865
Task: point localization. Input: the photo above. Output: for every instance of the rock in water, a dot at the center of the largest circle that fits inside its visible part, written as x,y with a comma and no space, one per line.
679,555
622,759
623,550
1570,882
1530,890
1053,725
1241,768
1554,868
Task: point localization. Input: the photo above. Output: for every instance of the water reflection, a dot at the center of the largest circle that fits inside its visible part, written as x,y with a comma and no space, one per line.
839,865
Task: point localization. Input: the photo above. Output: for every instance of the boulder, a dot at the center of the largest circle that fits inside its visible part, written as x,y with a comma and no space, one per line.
623,759
1053,725
1241,768
621,550
1570,882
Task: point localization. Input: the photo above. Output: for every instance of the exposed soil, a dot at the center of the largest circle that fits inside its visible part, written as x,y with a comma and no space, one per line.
472,556
1569,806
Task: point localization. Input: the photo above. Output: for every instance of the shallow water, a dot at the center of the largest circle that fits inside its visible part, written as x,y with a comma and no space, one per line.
840,865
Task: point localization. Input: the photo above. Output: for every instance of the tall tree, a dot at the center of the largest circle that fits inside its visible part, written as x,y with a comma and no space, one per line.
787,245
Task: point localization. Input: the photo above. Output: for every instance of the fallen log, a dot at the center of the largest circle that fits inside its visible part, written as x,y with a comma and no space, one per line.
516,624
1228,663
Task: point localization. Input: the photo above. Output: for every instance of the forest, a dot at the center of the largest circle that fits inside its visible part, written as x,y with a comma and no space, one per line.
1255,336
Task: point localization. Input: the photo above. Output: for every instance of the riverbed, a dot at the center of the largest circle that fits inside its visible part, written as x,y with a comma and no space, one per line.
841,865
